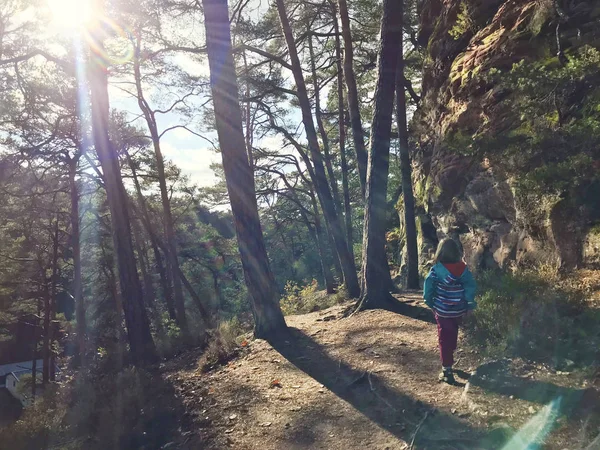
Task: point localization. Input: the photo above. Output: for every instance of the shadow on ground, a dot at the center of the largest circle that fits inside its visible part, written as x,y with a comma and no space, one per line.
576,403
406,418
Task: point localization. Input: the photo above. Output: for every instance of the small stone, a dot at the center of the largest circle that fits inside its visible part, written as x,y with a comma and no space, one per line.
532,410
265,424
321,391
229,431
512,397
233,417
454,411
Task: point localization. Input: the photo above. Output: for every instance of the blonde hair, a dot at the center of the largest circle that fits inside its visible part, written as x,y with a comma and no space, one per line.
448,252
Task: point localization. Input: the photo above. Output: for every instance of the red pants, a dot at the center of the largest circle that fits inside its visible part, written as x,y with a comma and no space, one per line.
447,337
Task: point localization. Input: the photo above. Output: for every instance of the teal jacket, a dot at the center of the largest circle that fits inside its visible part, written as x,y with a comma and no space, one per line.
450,290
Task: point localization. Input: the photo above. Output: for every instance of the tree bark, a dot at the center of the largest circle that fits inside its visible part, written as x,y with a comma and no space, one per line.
353,104
173,262
321,185
158,259
158,245
376,281
142,347
49,300
81,327
412,253
149,292
321,126
238,174
342,138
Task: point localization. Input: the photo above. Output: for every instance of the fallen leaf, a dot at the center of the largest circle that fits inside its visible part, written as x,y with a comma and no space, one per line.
244,343
275,383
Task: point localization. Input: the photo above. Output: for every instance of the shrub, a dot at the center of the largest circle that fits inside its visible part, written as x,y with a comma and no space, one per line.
307,299
531,314
224,344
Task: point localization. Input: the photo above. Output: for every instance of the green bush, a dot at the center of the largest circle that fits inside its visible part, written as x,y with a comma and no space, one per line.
307,299
531,314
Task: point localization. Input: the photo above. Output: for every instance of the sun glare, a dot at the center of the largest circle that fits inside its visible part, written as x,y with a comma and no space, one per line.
71,13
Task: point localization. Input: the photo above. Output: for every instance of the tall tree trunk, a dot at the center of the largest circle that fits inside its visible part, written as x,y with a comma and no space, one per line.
375,270
173,262
322,187
158,259
149,293
35,326
318,237
412,253
321,126
248,117
353,104
49,300
141,344
157,244
238,174
46,337
76,248
342,133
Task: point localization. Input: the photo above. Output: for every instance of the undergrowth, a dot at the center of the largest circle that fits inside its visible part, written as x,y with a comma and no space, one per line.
123,409
306,299
225,343
535,314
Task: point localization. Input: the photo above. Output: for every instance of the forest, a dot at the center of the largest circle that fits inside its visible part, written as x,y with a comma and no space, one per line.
217,219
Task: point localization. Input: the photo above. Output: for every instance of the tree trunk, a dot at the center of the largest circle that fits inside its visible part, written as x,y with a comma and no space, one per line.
375,270
321,185
141,344
35,327
248,118
354,107
76,247
160,267
173,262
342,133
157,244
412,274
149,293
46,338
49,300
238,174
322,132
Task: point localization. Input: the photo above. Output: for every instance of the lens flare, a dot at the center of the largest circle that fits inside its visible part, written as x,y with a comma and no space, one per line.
71,13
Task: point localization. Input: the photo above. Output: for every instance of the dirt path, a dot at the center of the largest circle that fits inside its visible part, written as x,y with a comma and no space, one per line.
370,381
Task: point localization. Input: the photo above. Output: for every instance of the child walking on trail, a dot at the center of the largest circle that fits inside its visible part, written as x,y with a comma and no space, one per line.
450,292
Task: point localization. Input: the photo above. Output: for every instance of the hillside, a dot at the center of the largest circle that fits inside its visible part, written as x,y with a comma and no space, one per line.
369,381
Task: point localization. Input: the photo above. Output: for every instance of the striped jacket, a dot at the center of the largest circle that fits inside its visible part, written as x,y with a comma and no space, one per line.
450,289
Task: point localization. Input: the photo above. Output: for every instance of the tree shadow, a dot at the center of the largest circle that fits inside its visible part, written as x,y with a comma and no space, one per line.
407,309
575,403
392,410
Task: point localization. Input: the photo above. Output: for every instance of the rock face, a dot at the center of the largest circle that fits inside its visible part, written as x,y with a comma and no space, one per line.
463,188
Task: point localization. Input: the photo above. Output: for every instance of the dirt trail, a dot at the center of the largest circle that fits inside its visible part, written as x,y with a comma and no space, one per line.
369,381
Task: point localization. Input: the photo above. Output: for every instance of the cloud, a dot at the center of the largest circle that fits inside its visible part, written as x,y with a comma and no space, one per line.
194,162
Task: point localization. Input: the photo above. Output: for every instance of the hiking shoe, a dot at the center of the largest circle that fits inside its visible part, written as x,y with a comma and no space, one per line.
446,376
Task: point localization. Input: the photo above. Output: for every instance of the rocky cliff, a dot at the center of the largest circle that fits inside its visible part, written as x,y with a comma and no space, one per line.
507,152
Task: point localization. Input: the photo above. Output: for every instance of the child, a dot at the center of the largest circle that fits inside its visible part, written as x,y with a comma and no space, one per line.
450,291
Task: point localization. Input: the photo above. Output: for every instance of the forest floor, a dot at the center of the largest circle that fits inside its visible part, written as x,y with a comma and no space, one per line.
370,381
